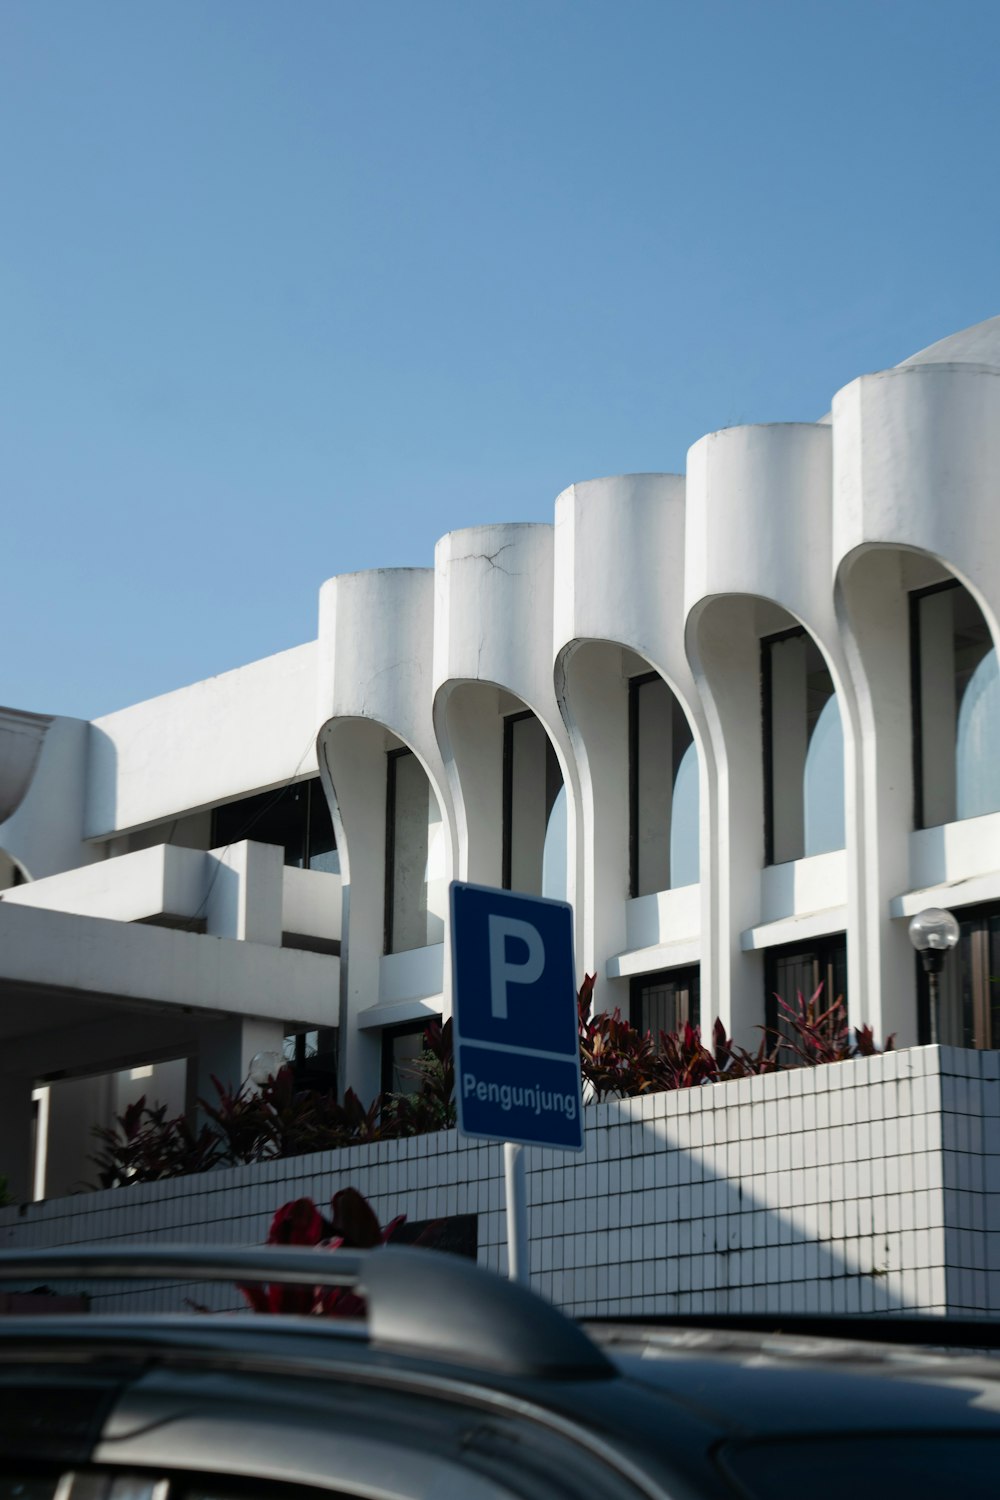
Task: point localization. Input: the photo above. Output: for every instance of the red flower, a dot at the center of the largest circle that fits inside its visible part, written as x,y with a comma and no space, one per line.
300,1223
296,1223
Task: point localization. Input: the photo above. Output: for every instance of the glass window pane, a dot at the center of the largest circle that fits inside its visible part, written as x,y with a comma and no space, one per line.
417,863
665,791
794,972
685,824
555,852
296,818
823,782
533,781
653,786
968,984
417,851
992,1000
322,843
956,709
277,817
805,750
977,768
664,1002
401,1047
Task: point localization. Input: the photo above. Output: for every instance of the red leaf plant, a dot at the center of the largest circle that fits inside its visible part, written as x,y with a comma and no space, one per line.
354,1224
823,1036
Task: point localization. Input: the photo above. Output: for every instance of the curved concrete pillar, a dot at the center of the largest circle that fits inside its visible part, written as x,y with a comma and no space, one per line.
493,656
916,457
759,560
21,736
619,596
916,453
376,635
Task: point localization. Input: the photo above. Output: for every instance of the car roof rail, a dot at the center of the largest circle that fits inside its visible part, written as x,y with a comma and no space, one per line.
422,1301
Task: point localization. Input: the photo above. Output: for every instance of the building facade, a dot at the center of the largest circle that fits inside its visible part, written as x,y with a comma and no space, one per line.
743,720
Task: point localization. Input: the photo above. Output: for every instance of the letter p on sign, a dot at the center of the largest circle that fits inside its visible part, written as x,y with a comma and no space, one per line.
502,971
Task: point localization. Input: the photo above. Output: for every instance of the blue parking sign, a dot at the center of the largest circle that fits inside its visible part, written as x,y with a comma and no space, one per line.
517,1048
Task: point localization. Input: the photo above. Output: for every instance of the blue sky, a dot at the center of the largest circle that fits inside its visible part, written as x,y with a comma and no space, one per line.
288,290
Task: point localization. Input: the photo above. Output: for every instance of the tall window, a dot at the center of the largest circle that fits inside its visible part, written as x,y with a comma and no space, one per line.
313,1056
956,707
803,750
969,984
415,892
663,789
401,1048
664,1002
800,970
295,817
534,811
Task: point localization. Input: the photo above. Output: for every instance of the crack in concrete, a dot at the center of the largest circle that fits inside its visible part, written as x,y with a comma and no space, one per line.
491,558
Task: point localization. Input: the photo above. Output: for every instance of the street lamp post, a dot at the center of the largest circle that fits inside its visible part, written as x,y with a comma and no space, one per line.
933,932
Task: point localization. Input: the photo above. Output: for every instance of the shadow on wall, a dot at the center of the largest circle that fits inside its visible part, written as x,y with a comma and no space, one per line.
647,1223
101,784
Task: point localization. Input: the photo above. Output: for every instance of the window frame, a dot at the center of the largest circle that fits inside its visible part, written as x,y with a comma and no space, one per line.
311,786
507,792
640,982
388,1035
635,685
915,597
824,947
767,729
979,914
391,759
507,788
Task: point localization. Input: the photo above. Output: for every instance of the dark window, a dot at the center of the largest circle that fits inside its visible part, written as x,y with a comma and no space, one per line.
532,782
803,750
664,1002
955,691
313,1055
297,818
456,1234
800,970
401,1047
415,892
663,790
968,985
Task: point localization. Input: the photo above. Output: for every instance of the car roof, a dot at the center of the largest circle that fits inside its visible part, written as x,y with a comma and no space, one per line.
449,1346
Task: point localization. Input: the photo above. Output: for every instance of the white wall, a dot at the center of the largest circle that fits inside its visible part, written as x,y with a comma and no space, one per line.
243,731
46,833
864,1187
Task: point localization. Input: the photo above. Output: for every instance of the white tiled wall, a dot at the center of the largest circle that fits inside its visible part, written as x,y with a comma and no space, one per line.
870,1186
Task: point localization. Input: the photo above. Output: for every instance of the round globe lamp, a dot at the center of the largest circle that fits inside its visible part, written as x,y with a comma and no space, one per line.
934,932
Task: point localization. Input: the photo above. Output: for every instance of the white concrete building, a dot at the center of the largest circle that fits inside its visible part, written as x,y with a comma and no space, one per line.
746,721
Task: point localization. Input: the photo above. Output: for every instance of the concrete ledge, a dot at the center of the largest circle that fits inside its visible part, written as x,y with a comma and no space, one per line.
416,974
649,960
90,956
953,893
400,1013
797,929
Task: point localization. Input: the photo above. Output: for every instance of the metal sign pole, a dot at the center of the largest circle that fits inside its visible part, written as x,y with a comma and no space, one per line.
517,1213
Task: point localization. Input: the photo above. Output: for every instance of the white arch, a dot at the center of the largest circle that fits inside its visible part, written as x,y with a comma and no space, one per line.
685,821
977,762
823,782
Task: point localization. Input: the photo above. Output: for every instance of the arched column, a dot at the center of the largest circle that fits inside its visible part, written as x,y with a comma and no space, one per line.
376,642
619,560
916,452
493,659
758,560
